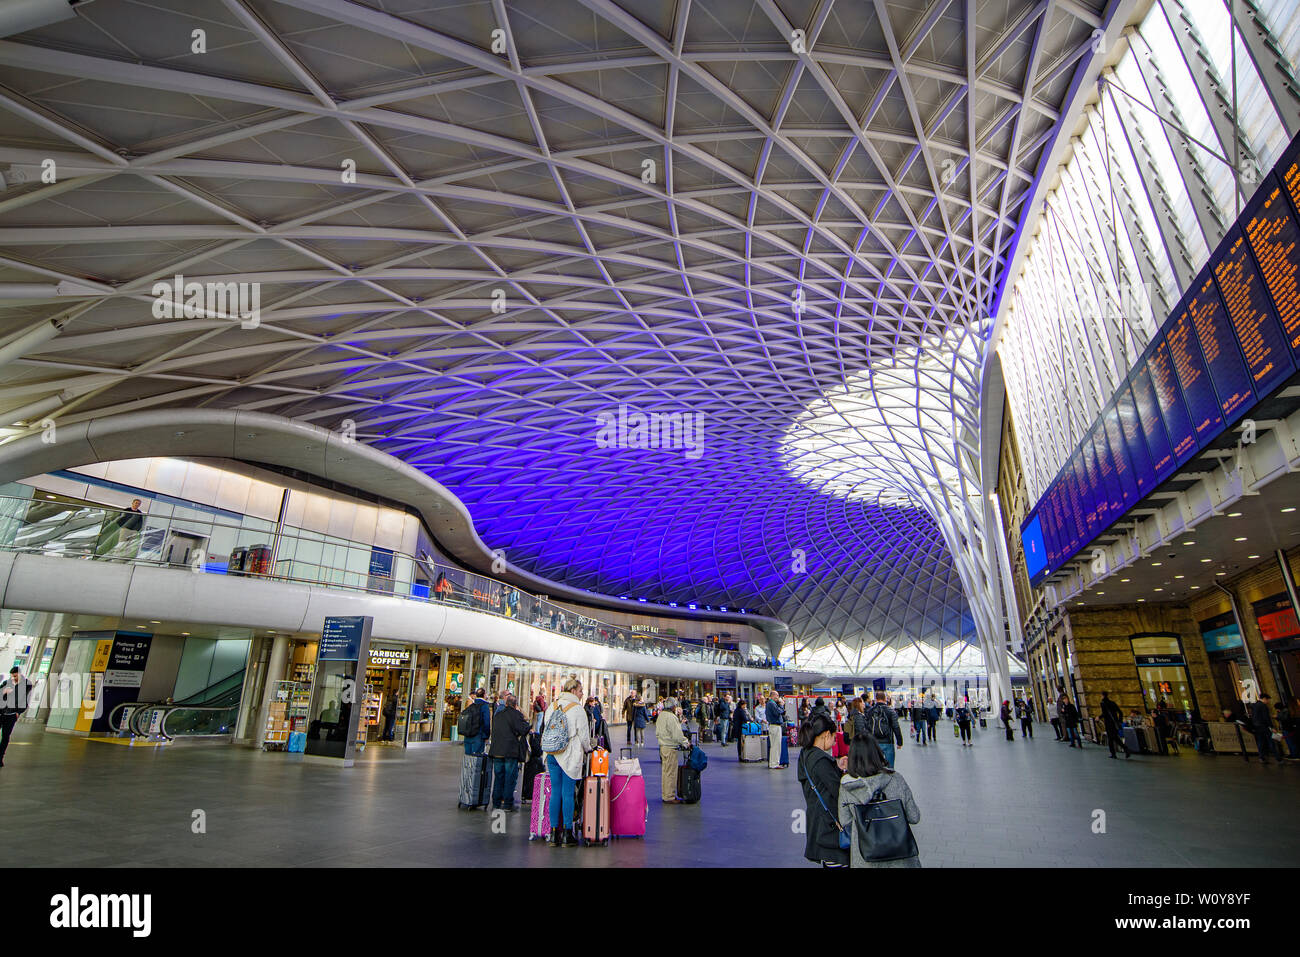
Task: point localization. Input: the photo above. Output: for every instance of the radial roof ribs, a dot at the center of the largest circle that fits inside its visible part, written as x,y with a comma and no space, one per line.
479,230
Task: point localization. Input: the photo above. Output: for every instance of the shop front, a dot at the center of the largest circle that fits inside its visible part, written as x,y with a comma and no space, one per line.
1281,633
387,694
1162,672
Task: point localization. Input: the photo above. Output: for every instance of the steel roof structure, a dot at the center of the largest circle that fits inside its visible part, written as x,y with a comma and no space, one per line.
482,230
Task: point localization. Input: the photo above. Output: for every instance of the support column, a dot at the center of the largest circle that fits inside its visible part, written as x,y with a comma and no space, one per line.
441,694
1256,652
274,671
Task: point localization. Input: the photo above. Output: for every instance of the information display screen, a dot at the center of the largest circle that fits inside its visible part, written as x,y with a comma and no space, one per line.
1268,358
1230,343
1031,538
1270,227
1219,348
1177,422
1151,423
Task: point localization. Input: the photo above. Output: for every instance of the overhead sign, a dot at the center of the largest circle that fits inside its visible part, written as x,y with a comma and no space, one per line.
724,680
390,657
783,684
341,638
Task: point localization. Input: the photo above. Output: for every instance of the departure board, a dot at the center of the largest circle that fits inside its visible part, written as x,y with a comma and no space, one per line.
1268,358
1128,493
1270,227
1031,538
1189,366
1139,454
1231,342
1223,359
1151,423
1177,422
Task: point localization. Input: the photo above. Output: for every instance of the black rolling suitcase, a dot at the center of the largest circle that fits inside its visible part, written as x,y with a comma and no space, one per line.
688,778
475,782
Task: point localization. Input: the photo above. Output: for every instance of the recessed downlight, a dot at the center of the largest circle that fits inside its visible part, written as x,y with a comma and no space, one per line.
1234,515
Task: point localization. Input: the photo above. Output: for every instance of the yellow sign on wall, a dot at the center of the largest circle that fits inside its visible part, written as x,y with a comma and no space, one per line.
103,649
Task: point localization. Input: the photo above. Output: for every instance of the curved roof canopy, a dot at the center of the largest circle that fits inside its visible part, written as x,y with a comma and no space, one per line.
489,236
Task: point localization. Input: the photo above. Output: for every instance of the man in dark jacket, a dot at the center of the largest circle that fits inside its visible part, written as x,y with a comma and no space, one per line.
1261,720
1112,718
882,719
15,694
774,714
723,712
508,747
474,742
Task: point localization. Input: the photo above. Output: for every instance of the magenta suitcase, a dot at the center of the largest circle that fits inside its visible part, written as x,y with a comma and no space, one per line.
540,828
627,806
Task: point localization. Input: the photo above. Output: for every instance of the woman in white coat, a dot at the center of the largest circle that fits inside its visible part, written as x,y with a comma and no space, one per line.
565,764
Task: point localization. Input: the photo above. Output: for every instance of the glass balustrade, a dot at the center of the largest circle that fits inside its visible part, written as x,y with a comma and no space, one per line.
256,548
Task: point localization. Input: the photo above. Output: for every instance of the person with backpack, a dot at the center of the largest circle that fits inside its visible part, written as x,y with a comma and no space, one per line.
475,722
1112,720
964,719
882,725
869,781
668,729
566,740
509,746
819,776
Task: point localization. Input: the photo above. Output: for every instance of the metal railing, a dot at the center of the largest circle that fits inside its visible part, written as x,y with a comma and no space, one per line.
257,548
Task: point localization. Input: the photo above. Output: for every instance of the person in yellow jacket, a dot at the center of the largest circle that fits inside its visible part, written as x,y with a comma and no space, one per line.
668,729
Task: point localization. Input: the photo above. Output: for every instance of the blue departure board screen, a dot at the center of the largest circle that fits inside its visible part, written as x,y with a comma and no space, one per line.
1151,423
1177,422
1114,431
1193,379
1139,453
1271,229
1268,358
1031,538
1230,343
1223,358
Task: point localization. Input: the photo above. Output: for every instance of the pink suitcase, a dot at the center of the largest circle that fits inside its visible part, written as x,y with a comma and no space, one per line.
628,809
540,828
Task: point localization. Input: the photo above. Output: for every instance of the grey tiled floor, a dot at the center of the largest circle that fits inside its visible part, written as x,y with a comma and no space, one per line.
67,801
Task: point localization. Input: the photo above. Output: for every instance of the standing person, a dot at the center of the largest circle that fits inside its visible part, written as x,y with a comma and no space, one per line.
476,728
866,775
1286,723
509,746
1027,720
740,718
1054,715
964,719
640,718
1005,716
539,711
1261,720
882,724
724,719
932,717
1070,717
629,715
15,694
390,717
566,721
131,522
668,729
1112,718
775,716
819,775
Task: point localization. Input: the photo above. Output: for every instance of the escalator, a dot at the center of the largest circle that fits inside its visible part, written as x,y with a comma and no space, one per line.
211,713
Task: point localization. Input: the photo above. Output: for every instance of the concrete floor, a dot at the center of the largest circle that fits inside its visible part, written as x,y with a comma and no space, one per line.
72,802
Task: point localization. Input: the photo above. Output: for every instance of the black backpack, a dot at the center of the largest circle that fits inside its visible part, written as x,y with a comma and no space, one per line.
882,831
470,722
878,722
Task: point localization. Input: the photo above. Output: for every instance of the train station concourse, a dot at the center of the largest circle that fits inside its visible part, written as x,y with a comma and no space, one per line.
651,433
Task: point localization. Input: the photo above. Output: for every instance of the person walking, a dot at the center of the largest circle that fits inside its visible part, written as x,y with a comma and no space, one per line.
918,724
566,739
1112,719
1026,720
775,716
964,719
1054,715
508,746
640,718
932,717
668,729
15,695
882,724
819,776
629,715
1005,717
1070,717
867,775
390,716
1261,720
